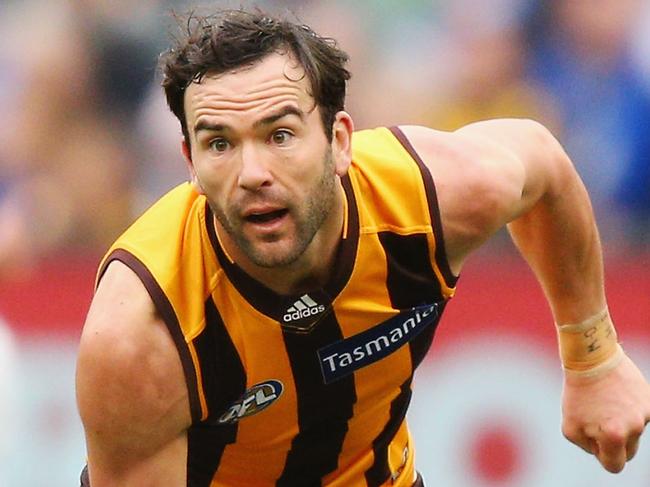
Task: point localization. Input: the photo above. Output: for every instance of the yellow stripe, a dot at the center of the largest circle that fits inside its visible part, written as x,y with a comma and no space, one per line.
345,214
424,204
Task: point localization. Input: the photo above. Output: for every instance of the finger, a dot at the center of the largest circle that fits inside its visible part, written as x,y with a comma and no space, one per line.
632,447
633,442
578,437
613,459
612,450
594,449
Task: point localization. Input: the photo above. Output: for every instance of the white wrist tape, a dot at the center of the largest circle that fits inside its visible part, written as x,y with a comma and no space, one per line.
606,366
591,346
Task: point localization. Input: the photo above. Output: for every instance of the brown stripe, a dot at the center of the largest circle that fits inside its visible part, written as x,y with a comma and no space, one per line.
434,210
205,447
323,409
217,353
164,307
345,258
410,281
380,472
224,382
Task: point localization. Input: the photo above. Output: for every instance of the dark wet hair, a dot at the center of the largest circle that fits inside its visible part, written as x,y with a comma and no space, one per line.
231,39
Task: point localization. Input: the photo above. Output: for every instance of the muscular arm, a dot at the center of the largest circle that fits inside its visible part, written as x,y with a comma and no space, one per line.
552,223
513,172
131,391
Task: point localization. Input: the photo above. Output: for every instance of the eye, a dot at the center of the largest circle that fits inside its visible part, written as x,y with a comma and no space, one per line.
281,137
219,144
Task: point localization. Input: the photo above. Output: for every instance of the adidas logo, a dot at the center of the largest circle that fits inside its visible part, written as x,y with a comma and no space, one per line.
303,308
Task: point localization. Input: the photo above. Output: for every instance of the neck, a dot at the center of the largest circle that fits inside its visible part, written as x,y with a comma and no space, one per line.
311,270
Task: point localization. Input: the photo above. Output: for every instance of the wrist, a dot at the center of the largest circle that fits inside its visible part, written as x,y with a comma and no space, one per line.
590,347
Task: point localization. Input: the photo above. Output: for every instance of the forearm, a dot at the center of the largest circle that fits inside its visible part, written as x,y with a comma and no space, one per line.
533,187
559,239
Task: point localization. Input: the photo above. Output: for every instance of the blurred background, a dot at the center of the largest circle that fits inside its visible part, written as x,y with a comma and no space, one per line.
87,143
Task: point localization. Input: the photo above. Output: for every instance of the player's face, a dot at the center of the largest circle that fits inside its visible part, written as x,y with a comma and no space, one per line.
260,155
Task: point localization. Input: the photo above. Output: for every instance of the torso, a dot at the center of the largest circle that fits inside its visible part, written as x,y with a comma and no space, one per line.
308,389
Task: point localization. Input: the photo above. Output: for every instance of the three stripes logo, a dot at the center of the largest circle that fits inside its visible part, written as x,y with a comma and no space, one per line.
304,307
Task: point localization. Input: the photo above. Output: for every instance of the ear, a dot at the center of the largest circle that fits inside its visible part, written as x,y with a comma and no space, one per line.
187,155
342,142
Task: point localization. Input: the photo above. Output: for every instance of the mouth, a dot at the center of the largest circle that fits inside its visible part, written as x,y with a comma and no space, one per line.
266,217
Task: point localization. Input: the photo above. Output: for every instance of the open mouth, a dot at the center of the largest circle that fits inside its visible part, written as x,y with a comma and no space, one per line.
266,217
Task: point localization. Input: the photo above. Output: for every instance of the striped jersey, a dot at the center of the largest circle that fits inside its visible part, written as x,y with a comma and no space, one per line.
309,389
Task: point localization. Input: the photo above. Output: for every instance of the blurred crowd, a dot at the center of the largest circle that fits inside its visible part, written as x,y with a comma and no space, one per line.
87,143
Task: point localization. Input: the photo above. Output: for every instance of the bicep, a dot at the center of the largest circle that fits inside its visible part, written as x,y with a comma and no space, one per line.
525,158
110,465
123,449
131,393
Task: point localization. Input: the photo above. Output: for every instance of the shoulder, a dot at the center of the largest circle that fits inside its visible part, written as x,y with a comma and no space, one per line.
130,384
181,207
480,145
469,161
480,172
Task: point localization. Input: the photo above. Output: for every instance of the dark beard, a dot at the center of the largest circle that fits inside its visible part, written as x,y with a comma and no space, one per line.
317,207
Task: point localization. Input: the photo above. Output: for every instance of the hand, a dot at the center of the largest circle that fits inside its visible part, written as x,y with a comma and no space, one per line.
606,415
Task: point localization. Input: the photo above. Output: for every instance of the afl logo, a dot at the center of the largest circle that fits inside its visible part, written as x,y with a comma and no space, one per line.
254,400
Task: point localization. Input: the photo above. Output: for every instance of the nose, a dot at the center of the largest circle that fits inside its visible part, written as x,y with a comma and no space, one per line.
254,172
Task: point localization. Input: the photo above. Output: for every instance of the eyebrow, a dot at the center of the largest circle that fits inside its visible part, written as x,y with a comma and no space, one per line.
268,120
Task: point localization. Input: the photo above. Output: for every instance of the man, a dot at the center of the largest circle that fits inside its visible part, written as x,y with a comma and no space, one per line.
261,324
